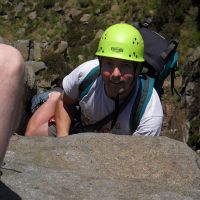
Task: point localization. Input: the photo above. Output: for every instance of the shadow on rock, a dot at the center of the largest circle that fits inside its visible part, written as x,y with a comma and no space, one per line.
7,194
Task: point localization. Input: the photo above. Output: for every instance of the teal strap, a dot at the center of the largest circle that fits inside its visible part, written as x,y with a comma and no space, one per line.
88,81
143,96
148,96
133,121
169,66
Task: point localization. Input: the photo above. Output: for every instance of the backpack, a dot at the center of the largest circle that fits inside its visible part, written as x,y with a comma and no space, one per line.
160,61
160,56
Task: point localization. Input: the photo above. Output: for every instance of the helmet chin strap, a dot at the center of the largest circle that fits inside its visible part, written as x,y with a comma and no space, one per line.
117,106
116,111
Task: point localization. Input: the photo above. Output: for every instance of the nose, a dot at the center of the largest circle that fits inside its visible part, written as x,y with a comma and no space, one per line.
116,75
116,72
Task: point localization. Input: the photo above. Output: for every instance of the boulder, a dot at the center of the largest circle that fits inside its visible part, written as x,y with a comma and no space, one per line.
32,15
37,51
190,98
36,66
24,47
100,166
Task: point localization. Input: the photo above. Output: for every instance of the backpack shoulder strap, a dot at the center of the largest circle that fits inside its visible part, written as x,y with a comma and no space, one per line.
143,96
88,81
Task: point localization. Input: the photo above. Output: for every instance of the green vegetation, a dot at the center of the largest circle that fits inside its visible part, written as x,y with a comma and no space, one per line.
47,3
171,18
194,132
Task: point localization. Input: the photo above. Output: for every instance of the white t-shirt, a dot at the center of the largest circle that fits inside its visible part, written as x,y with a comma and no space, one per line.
95,105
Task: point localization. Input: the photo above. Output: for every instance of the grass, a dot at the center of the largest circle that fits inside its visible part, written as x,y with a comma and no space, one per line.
50,24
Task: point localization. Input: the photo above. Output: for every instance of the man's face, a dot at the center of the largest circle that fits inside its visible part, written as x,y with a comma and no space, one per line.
118,76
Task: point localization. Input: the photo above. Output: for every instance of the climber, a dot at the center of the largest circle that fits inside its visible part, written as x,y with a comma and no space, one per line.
107,103
43,109
12,79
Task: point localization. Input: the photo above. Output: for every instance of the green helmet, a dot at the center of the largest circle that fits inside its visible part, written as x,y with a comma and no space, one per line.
122,41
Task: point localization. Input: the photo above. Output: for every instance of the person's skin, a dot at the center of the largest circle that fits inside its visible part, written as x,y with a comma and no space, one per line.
62,116
38,123
11,87
118,76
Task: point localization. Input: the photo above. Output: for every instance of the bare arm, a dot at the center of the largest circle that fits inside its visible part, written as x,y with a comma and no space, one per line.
38,123
62,116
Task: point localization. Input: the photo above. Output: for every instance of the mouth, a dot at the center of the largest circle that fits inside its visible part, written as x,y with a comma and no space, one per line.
117,86
116,83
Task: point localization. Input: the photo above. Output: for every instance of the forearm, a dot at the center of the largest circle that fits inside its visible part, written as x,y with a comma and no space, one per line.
63,121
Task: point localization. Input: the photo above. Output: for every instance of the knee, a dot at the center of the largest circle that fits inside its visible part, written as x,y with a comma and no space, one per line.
54,96
11,61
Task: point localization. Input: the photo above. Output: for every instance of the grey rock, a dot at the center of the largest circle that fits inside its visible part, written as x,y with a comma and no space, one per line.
23,46
189,93
115,9
58,8
29,75
62,47
46,84
85,18
100,166
3,40
81,57
73,12
196,55
19,7
37,51
98,34
36,66
32,15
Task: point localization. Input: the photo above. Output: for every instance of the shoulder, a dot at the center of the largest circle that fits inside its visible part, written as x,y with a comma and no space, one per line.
82,70
154,106
89,64
151,121
72,81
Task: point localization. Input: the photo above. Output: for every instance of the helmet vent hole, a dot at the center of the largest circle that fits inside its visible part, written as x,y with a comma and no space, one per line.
137,43
133,42
129,55
136,56
135,39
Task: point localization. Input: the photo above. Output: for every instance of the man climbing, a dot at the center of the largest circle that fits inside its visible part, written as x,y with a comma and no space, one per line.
112,94
12,78
43,109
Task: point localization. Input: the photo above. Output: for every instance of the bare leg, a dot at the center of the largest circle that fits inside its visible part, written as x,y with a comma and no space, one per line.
38,123
11,87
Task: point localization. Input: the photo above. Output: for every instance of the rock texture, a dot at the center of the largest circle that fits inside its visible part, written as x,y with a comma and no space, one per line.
100,166
191,97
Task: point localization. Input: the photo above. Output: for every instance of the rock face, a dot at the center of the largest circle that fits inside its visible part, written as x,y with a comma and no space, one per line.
100,166
191,98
